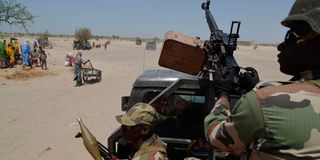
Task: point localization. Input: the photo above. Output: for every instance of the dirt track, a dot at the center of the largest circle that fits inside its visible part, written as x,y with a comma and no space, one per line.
38,114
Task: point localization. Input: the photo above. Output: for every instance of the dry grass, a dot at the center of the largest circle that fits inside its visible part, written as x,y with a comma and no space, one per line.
28,74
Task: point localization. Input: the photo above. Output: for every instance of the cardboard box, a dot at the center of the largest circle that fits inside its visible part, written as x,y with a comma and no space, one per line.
182,53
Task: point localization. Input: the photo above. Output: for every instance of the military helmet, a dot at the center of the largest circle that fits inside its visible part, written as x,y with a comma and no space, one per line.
140,113
305,10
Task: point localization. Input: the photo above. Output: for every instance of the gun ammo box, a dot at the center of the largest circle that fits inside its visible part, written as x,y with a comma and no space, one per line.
182,53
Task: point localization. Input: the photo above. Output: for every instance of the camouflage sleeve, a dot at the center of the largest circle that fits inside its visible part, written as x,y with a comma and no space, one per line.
233,132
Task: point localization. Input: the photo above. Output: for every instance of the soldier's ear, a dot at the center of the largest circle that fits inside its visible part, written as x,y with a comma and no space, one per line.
145,130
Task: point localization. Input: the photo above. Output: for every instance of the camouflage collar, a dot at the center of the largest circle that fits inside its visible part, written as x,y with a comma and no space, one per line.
152,144
154,140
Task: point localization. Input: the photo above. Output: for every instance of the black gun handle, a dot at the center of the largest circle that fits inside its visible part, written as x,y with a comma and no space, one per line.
105,152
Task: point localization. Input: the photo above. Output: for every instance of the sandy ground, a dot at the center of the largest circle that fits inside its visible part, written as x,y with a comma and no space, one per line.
38,115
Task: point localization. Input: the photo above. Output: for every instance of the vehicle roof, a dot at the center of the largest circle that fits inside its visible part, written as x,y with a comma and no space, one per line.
163,78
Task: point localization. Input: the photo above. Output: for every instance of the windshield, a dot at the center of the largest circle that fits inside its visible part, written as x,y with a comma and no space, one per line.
175,104
179,110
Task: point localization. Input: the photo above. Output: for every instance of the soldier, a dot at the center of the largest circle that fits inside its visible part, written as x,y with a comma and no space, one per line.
137,125
281,121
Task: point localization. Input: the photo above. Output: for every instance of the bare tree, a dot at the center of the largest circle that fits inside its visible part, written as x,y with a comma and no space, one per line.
83,33
15,13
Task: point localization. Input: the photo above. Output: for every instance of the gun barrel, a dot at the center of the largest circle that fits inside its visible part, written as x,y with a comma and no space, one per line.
215,32
211,22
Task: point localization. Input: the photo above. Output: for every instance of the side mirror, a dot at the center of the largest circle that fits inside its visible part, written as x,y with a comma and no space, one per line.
124,103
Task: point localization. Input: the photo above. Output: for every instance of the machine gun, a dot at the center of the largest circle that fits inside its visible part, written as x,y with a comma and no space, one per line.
204,58
219,49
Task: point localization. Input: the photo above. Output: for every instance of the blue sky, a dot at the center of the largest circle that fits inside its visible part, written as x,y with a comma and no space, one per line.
260,19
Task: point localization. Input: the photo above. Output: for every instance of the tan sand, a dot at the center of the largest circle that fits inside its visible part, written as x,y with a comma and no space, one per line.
38,113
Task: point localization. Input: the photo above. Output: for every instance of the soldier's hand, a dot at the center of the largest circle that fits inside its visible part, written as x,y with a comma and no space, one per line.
224,81
249,78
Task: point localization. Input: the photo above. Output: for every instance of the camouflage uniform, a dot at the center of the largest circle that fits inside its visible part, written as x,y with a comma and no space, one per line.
152,148
273,122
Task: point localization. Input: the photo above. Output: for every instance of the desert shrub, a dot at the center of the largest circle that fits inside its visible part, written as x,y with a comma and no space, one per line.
83,33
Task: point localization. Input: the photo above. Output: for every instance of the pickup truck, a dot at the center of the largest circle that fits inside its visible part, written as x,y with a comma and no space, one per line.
183,101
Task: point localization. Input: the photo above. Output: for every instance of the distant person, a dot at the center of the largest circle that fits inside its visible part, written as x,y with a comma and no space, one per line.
16,45
78,62
5,43
137,129
2,56
35,43
26,55
10,52
69,60
106,44
43,58
35,55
